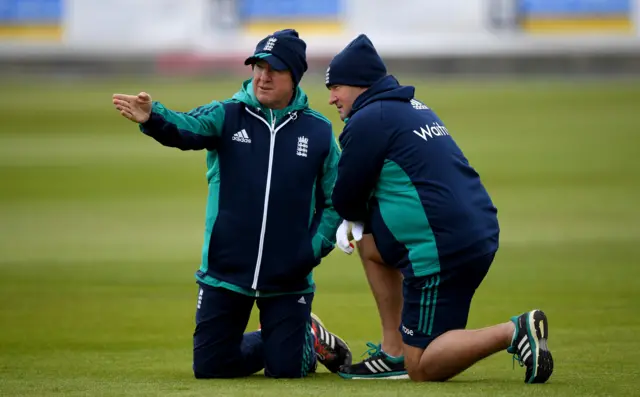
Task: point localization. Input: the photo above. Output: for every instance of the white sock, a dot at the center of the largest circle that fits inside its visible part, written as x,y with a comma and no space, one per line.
389,355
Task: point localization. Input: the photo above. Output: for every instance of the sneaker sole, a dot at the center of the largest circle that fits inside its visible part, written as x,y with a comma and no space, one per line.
538,331
387,376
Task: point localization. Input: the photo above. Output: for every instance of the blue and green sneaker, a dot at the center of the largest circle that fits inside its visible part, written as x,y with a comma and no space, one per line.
379,365
529,346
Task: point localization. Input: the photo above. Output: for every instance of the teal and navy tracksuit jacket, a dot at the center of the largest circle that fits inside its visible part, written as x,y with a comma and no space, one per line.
401,172
269,216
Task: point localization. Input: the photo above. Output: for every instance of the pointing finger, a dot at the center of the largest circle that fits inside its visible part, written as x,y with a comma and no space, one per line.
123,97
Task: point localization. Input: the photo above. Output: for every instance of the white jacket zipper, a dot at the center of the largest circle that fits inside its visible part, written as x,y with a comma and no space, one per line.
272,144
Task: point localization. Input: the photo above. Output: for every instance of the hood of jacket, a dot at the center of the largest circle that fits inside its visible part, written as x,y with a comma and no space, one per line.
387,88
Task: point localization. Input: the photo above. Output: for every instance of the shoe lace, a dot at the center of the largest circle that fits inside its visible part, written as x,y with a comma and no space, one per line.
373,350
516,357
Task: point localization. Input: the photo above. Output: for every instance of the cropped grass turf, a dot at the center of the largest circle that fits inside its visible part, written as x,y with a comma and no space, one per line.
101,231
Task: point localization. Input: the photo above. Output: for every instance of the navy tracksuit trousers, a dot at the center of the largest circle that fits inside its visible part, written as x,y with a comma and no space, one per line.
284,347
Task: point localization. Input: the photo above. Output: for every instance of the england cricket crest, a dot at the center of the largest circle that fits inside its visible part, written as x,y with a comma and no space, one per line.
303,146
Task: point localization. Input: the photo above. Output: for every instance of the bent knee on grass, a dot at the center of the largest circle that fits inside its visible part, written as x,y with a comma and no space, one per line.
420,370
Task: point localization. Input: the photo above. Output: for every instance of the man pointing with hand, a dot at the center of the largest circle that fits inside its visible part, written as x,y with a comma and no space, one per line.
271,166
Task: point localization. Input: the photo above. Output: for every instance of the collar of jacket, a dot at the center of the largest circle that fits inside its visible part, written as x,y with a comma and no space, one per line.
298,103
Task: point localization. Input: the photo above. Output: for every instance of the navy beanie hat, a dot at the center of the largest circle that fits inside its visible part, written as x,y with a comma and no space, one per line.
283,50
358,64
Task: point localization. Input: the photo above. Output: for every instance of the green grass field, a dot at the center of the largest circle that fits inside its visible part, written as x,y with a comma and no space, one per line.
101,231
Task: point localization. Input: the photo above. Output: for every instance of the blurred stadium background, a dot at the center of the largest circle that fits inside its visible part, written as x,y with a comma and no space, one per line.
101,228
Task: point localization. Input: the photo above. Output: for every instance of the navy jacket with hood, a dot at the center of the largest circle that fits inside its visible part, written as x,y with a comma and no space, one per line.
401,172
269,216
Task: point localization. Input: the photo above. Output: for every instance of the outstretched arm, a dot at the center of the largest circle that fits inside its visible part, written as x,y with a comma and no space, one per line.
195,130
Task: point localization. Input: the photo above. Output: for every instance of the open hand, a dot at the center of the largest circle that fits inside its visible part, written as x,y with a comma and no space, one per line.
136,108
